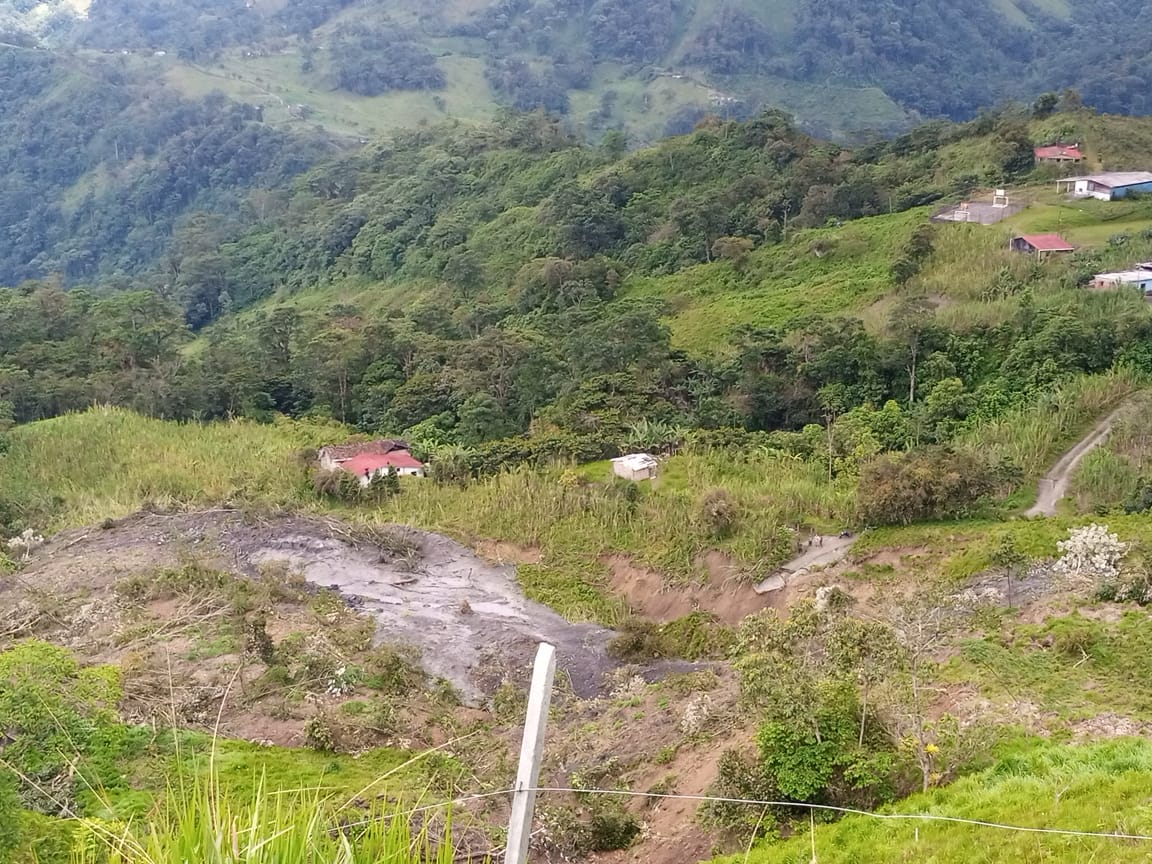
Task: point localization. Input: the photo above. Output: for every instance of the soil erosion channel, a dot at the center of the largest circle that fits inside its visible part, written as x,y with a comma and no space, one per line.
467,618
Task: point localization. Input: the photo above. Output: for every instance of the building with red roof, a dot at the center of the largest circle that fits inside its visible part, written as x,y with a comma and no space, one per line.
1041,244
369,465
335,455
1059,153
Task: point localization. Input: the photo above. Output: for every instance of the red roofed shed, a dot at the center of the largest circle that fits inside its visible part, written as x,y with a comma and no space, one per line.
1041,244
1059,153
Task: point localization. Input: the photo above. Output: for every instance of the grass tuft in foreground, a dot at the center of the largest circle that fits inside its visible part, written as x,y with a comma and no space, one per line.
202,825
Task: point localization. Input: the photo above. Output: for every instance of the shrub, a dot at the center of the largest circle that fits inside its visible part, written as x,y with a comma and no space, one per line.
936,483
741,776
320,733
66,735
695,636
719,513
339,485
600,824
1090,555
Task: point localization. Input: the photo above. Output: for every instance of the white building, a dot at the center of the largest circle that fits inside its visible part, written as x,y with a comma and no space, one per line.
1107,186
1141,279
635,466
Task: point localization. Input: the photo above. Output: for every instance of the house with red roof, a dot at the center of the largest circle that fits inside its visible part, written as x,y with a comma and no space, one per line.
334,456
1041,245
1059,153
369,465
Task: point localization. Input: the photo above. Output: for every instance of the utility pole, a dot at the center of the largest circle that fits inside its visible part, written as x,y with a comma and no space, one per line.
531,755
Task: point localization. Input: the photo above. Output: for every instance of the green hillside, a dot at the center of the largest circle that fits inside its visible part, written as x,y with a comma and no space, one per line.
901,598
1092,788
650,67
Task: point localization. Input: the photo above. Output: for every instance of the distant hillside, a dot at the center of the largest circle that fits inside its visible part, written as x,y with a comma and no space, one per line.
651,67
99,163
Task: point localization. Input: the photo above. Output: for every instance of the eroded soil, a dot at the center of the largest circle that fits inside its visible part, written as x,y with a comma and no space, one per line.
467,618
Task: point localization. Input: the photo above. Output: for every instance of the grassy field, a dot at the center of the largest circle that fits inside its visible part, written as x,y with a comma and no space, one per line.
819,271
277,83
1095,788
1067,670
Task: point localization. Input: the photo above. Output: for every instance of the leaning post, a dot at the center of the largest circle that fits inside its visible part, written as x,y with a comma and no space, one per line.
531,755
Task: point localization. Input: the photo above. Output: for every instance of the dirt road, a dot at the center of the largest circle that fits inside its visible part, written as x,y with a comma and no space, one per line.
1054,484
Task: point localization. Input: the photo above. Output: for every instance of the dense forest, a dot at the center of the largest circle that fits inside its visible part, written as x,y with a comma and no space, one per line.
931,59
99,163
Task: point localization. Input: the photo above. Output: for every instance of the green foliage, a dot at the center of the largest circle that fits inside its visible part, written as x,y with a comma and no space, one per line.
929,484
1101,783
599,824
279,825
697,636
63,722
10,815
812,677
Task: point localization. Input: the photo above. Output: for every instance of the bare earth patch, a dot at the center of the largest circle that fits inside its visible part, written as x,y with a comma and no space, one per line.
467,619
724,594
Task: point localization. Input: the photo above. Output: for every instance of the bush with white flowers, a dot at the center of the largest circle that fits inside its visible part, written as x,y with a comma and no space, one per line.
1090,554
24,545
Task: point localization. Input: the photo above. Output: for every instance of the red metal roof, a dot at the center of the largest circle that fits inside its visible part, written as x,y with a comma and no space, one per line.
1047,242
340,452
1059,151
373,462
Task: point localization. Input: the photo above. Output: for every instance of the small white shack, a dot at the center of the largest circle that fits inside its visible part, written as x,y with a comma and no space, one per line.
635,466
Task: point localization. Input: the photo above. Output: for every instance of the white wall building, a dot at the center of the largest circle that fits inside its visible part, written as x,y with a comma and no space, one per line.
635,466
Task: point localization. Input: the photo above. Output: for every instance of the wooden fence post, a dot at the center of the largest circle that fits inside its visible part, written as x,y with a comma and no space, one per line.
531,755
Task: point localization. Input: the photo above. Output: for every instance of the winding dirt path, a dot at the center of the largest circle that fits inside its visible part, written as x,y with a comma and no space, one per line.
1054,484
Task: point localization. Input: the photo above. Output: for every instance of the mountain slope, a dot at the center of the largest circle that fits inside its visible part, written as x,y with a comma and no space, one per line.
652,67
101,162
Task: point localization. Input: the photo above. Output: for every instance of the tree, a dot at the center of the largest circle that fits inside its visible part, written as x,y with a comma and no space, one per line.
734,249
937,483
1045,105
910,322
833,402
1009,558
482,418
922,625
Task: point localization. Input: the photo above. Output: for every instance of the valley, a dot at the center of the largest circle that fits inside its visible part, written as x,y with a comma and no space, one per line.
875,586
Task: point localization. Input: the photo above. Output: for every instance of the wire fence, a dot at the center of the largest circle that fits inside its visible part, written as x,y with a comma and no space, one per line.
846,811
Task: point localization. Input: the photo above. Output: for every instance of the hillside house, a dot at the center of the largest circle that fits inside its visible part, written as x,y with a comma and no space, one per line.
635,466
1059,153
1108,186
1141,278
369,465
1041,245
335,455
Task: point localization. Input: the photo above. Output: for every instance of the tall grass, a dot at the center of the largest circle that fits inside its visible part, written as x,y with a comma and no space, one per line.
1109,477
108,462
1033,437
199,825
